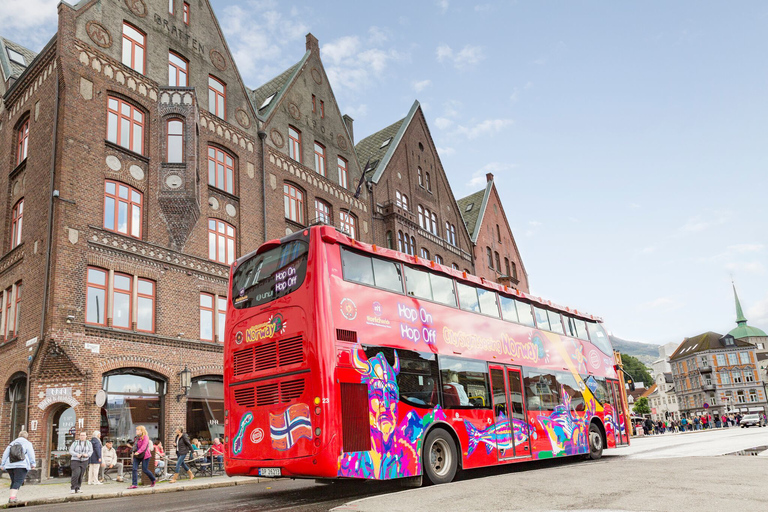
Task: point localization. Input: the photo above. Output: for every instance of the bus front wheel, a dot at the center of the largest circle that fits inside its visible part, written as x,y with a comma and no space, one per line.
595,442
440,457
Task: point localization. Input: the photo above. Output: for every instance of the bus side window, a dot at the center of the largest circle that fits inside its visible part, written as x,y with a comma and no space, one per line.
488,304
508,309
542,320
465,383
581,329
356,267
567,383
442,290
555,323
387,275
524,313
417,379
468,298
418,284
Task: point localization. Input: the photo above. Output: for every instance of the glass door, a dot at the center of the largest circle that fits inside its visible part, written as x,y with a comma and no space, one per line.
501,410
518,422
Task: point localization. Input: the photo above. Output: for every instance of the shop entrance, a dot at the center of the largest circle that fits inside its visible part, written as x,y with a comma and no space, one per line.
62,434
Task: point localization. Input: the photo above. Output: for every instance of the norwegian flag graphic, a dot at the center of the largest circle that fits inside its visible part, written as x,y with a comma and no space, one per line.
290,426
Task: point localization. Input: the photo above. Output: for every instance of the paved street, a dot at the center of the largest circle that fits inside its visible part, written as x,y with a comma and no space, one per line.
670,472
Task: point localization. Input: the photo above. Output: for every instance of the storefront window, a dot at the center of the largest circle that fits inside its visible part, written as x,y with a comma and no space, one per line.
133,399
205,409
63,427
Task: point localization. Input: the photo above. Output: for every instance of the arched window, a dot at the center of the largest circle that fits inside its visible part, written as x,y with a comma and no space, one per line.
400,246
348,223
498,262
221,242
175,141
343,173
217,97
125,125
16,397
205,409
134,47
221,169
322,211
319,159
421,177
413,246
389,240
294,143
421,216
490,256
17,219
122,209
293,201
429,182
134,397
22,142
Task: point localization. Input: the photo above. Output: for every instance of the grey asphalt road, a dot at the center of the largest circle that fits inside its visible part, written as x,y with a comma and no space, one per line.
675,472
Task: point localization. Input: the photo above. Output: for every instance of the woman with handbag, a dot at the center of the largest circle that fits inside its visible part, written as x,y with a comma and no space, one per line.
142,452
183,448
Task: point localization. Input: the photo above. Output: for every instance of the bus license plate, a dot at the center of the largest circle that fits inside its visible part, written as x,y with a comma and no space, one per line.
270,472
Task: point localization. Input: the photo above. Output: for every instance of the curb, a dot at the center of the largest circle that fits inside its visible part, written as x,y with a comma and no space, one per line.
125,493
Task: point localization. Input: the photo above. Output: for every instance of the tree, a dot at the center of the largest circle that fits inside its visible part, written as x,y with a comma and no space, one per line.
636,369
641,406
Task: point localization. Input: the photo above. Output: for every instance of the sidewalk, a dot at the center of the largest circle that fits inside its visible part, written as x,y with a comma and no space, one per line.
59,492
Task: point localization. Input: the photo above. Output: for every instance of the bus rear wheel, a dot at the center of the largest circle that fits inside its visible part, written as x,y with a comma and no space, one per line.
595,442
440,457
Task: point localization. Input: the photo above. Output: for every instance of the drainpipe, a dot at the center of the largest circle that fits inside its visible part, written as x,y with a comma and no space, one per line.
51,198
263,135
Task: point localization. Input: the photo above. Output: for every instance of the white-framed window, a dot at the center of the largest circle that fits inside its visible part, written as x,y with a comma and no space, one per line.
221,242
134,47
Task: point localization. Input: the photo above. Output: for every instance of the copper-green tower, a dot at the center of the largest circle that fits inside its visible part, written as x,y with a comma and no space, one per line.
743,330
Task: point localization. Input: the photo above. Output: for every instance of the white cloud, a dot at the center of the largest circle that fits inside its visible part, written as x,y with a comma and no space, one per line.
377,36
699,223
744,248
758,313
463,59
421,85
357,112
486,127
445,151
533,228
479,178
30,23
483,7
534,223
443,123
443,5
648,250
350,65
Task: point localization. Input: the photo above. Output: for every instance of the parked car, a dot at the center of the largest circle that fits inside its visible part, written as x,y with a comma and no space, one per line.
751,420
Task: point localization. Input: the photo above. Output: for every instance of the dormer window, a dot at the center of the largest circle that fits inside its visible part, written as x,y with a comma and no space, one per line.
268,101
385,143
16,57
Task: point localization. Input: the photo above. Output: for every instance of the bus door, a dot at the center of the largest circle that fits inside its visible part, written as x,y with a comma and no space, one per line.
508,408
618,406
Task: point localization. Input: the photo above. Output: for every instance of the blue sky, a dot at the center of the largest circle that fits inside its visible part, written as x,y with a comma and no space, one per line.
627,139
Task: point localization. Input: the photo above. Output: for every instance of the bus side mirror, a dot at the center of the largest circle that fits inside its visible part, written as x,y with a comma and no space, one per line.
631,385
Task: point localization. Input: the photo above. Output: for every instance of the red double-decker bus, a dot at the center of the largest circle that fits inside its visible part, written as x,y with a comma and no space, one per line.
346,360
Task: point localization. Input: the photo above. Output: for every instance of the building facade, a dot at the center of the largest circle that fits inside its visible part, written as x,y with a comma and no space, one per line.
495,250
414,209
717,375
133,141
312,173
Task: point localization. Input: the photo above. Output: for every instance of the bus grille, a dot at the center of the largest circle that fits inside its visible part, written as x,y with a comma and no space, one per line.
269,394
345,335
355,426
291,389
245,397
269,356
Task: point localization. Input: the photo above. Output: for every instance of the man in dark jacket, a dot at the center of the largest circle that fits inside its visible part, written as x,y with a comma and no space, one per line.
95,460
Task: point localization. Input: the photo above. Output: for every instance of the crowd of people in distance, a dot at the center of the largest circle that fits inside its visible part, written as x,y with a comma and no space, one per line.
704,422
96,460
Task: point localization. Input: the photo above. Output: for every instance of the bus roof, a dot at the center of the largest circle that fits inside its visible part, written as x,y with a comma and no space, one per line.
332,235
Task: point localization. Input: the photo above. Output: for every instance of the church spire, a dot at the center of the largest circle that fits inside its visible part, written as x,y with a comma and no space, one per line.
740,320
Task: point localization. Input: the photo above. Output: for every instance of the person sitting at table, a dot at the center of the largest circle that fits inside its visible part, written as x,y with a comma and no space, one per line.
159,457
110,461
217,452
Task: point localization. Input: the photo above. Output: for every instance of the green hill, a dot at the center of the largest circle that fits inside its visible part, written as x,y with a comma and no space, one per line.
645,352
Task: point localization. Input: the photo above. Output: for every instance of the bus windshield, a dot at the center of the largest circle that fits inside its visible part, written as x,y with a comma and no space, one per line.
270,275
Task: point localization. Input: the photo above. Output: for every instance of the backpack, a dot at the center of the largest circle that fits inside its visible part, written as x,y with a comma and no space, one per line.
16,453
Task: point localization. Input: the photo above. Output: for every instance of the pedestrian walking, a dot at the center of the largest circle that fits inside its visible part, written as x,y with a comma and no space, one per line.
183,448
18,459
80,452
141,455
95,462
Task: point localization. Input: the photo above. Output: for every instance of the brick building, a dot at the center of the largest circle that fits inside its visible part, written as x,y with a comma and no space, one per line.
718,371
127,145
496,255
312,170
415,209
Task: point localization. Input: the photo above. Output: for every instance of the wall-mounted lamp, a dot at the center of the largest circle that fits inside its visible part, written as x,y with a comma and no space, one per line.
185,376
70,319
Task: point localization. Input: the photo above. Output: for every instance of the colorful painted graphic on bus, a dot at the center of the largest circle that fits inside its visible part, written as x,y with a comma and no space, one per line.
394,447
237,442
566,429
499,435
289,426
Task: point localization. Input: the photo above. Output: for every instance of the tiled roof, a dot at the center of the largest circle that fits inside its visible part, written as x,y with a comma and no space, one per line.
370,148
649,391
12,69
472,215
703,342
276,86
